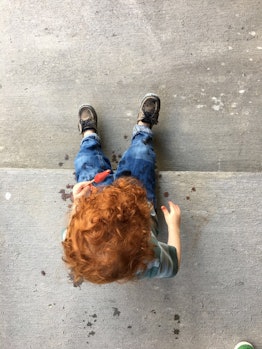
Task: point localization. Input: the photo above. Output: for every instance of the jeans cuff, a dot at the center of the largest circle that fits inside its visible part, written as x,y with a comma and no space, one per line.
91,135
141,128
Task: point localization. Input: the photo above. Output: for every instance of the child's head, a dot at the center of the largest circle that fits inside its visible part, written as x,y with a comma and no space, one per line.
108,236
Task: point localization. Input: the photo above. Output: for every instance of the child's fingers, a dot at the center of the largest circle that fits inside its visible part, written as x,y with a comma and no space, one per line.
84,184
171,205
165,213
81,189
81,193
164,210
78,189
85,190
174,209
80,186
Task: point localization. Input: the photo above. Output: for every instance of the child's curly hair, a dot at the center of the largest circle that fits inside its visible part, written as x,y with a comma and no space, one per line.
108,236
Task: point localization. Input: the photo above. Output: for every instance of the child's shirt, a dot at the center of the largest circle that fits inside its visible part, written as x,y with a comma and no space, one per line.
165,264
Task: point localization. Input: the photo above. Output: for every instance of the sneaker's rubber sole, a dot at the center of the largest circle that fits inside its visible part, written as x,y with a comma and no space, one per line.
244,345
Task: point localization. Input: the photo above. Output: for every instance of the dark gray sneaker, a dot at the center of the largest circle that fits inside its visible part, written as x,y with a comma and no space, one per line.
87,118
149,109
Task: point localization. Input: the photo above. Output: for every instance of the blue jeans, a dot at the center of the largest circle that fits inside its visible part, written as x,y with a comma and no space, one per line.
138,161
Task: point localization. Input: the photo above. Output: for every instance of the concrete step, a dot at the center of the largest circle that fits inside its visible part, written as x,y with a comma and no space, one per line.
214,301
186,139
203,59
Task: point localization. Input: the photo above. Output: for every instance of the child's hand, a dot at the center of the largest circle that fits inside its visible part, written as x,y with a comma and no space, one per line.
81,189
172,218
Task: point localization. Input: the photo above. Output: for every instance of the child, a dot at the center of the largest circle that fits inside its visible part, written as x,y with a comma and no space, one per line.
111,234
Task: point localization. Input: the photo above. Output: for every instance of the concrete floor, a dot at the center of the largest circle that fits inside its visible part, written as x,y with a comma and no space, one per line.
214,301
204,60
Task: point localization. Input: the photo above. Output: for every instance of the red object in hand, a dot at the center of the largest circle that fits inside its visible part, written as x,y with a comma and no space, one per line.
100,177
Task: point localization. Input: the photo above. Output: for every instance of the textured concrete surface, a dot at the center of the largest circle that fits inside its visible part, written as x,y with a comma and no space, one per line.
202,57
213,302
204,60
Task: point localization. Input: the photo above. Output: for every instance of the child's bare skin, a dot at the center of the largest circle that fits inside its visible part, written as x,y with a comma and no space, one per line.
173,221
81,189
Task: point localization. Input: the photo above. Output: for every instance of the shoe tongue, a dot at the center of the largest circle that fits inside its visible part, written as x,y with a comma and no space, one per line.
148,114
149,106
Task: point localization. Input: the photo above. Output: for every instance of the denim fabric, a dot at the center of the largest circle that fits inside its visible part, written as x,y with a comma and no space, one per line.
138,161
90,160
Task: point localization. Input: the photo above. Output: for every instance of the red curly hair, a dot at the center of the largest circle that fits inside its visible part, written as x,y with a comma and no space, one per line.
108,235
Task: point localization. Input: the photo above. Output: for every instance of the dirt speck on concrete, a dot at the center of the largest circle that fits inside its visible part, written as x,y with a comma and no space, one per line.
116,311
65,196
114,158
91,333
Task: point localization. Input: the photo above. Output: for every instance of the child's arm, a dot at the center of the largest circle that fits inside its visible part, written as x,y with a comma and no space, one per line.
173,221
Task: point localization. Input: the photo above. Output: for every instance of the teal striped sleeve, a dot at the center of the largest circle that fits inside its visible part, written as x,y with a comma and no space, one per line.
165,264
63,233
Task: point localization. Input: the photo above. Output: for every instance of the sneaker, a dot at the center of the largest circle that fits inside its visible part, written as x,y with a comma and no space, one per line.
149,109
87,118
244,345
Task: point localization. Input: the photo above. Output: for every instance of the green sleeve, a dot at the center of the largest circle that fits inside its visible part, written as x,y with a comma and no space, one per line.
165,264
